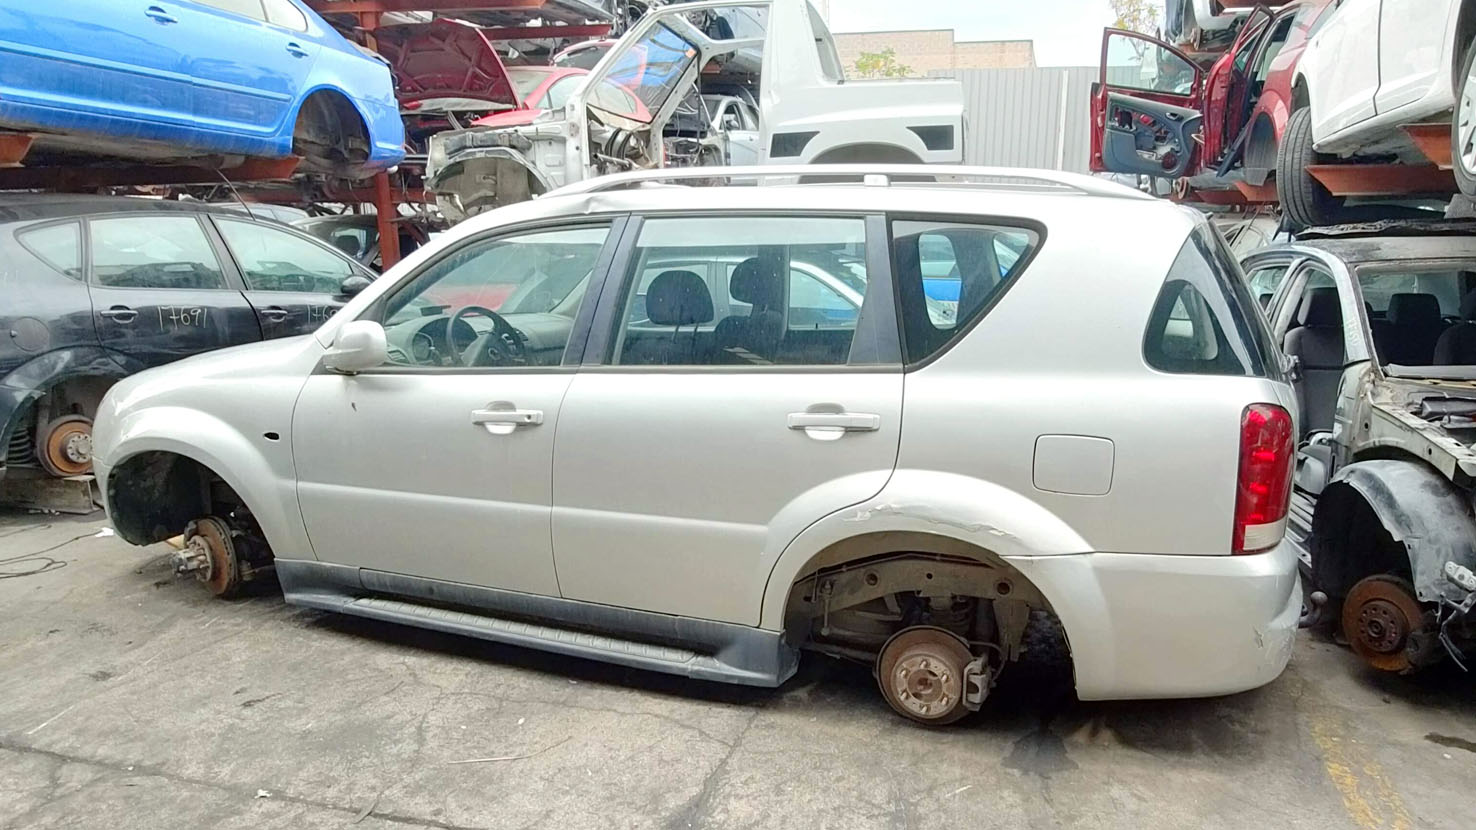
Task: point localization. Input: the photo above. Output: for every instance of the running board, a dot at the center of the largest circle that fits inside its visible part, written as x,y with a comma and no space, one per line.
737,654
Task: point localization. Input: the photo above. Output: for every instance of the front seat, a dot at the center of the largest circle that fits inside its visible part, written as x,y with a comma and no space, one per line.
1414,325
680,299
754,338
1457,346
1318,344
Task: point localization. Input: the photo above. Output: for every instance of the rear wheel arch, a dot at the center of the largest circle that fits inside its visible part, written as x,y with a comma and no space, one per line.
869,153
329,131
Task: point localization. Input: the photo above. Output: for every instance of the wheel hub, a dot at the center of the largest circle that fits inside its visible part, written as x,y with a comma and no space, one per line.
1381,616
210,555
926,685
924,673
1381,626
78,448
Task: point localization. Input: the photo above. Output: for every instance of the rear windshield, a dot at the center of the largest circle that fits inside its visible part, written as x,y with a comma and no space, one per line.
1205,321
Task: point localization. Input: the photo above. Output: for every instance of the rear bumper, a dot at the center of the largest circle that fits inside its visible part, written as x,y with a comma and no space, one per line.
1153,626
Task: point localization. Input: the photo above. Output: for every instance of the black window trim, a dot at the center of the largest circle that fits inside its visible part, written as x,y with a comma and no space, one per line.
959,334
883,327
76,221
228,273
618,224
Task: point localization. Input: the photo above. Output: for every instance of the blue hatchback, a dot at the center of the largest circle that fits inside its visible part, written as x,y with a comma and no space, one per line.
165,80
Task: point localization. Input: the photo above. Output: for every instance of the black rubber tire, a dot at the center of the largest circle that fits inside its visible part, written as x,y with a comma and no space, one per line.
1304,201
1465,180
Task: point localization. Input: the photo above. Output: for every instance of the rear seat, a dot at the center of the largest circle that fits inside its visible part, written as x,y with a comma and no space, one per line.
1413,326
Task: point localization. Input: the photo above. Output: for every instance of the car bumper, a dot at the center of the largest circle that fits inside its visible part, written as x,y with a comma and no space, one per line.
1154,626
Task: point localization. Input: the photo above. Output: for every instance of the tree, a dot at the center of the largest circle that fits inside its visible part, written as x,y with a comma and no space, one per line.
1136,15
881,64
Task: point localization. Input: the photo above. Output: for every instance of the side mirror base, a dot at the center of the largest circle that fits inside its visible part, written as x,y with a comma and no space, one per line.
358,346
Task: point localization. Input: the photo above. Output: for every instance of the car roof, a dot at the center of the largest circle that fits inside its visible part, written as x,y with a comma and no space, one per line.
1368,249
26,207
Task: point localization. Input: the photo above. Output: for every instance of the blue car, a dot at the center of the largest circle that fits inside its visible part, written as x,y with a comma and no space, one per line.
171,80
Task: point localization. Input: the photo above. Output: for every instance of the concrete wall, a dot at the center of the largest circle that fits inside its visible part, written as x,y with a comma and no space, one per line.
1037,117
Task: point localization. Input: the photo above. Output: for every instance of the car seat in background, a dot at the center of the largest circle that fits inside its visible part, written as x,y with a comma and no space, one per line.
679,299
1317,343
1457,345
1414,325
759,283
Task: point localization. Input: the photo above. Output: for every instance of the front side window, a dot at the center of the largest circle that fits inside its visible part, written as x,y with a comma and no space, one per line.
559,93
59,246
744,291
1204,320
153,252
274,260
649,68
1136,62
1264,281
949,274
509,301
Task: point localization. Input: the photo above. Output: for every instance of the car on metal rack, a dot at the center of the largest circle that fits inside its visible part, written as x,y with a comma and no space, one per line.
927,495
97,288
1380,321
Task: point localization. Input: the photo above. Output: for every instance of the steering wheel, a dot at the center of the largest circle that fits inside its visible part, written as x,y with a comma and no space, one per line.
503,344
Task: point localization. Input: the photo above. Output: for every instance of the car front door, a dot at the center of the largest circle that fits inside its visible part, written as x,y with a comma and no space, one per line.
294,283
1412,38
1342,67
438,464
1146,107
688,452
247,70
161,290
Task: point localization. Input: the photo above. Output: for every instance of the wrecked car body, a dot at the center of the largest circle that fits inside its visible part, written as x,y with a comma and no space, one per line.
1380,323
703,85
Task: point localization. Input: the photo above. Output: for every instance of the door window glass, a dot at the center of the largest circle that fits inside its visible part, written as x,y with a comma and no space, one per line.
153,252
649,68
1265,280
514,300
274,260
1136,62
558,95
245,8
286,15
713,292
948,274
59,246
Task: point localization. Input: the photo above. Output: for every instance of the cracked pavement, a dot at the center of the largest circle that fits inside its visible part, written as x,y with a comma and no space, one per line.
129,699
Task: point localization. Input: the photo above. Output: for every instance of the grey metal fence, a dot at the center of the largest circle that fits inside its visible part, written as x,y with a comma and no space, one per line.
1038,117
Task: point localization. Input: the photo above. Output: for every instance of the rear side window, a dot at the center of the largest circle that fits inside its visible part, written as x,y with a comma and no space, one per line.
949,274
59,246
1204,321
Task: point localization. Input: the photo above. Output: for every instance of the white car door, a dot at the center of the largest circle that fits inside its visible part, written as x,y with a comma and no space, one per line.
1341,87
1412,36
438,463
695,448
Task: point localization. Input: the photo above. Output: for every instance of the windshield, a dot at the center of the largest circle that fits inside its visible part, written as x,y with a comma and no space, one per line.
1422,314
649,68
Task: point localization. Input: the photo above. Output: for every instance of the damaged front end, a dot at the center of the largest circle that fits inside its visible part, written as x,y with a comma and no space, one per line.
479,169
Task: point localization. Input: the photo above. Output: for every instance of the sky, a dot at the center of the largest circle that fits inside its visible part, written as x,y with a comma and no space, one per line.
1066,32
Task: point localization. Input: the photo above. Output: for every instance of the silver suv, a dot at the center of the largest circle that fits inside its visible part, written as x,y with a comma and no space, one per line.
651,425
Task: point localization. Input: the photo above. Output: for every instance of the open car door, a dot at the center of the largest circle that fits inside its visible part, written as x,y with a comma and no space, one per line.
1146,107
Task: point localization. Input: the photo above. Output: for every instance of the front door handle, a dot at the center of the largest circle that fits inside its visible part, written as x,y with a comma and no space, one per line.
160,15
119,314
842,421
502,418
296,50
275,314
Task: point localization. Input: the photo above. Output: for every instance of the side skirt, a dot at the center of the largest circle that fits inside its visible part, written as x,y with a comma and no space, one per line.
700,649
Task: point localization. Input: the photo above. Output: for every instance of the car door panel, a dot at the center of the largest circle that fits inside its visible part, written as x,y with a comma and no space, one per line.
1146,107
1412,35
1343,89
247,72
294,283
160,292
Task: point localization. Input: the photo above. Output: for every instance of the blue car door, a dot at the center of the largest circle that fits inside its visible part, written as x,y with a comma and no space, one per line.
249,68
86,64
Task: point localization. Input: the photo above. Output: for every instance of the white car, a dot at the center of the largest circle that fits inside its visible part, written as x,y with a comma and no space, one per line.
547,428
1374,67
1204,24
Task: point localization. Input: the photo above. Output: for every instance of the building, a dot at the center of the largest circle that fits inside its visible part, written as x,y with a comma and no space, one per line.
926,51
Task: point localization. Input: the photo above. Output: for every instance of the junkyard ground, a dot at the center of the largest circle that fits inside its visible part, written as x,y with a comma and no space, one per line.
129,699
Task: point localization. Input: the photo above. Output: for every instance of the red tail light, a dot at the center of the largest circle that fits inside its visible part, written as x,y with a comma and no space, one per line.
1263,493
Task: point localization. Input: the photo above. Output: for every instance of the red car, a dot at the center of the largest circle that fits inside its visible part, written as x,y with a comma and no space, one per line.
1156,112
538,89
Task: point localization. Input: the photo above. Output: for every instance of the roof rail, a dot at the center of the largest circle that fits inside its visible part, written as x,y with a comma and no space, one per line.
873,175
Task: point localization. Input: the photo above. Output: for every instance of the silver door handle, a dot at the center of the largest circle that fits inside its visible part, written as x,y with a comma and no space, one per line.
508,417
848,421
119,314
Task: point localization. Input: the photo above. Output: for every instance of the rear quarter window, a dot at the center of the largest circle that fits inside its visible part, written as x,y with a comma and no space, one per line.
1205,321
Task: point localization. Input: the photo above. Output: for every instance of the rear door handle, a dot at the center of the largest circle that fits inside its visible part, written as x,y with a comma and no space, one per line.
160,15
119,314
502,418
296,50
844,421
276,314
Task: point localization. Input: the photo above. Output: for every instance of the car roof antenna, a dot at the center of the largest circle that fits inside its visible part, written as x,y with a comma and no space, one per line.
227,181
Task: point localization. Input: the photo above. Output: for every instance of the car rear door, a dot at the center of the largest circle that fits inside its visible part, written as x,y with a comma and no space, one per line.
248,72
689,454
161,290
294,283
1146,107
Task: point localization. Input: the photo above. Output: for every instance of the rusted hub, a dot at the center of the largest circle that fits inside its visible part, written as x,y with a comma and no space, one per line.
64,446
921,673
1379,615
208,544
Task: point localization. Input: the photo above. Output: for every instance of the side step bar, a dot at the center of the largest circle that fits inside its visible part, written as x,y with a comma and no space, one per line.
737,654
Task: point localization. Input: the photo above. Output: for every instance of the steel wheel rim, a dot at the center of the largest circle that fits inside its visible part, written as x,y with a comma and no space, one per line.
1466,124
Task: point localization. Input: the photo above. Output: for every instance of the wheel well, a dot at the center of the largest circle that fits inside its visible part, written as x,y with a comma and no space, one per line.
153,495
1350,542
78,395
330,130
1300,96
861,154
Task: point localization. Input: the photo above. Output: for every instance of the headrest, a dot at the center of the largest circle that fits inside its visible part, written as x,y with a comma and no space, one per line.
678,298
1320,308
757,283
1468,306
1414,310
